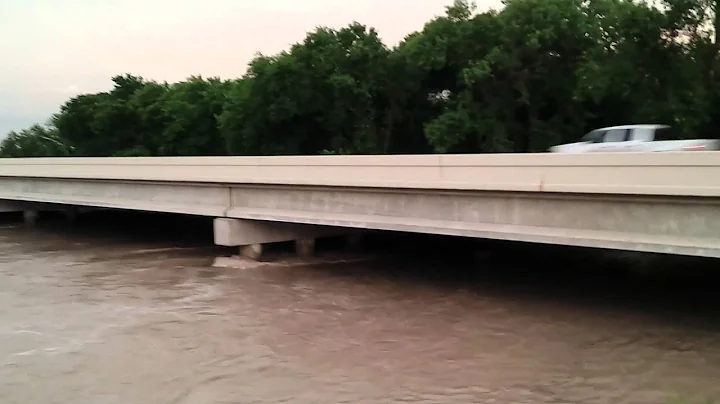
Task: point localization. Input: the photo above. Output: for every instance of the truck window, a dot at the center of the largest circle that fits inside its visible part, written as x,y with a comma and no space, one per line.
643,134
666,134
595,136
616,135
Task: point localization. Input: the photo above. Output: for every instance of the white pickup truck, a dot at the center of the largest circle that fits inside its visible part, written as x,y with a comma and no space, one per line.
635,138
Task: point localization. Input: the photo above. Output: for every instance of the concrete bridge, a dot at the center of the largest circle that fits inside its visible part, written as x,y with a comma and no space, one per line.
653,202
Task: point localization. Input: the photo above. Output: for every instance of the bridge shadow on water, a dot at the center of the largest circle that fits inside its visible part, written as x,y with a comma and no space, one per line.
681,290
124,226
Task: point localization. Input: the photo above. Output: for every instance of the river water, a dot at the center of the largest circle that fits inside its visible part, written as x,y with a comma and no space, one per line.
110,313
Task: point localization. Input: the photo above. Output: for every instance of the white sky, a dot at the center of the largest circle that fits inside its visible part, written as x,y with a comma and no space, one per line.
52,50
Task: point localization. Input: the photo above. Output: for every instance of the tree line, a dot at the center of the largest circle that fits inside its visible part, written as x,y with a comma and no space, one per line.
534,74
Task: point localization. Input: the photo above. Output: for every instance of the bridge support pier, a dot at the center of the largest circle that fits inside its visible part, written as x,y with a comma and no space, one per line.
252,251
250,235
30,217
305,248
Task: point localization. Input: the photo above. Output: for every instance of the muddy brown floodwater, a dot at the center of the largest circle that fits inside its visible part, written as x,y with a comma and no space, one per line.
88,317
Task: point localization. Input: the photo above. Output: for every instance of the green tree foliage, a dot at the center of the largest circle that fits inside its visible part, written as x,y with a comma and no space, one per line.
36,141
534,74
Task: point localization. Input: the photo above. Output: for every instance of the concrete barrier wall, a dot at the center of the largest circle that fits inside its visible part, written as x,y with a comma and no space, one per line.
683,173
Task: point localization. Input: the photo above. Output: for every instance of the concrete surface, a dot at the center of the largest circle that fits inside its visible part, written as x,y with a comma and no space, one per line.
238,232
655,202
681,173
249,235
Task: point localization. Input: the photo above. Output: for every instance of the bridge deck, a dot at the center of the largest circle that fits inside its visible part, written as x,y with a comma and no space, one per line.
662,202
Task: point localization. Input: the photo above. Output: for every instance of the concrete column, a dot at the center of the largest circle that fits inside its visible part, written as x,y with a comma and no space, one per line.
354,241
252,251
252,234
30,217
305,248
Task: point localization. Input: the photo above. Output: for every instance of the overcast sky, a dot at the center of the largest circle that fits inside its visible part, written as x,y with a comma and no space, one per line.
54,49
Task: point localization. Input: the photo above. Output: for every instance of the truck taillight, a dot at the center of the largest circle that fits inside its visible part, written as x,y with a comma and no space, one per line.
696,147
